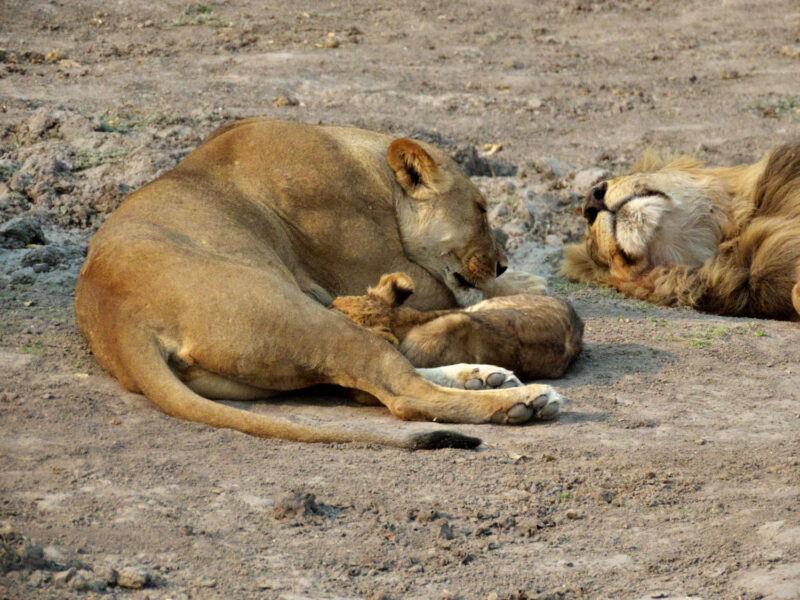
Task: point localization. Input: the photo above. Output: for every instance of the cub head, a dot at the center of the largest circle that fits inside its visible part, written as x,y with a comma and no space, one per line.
659,215
442,220
376,310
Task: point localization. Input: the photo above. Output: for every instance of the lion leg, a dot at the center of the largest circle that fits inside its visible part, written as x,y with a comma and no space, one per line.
454,394
796,298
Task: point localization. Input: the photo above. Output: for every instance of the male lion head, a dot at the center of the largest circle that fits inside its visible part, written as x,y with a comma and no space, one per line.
442,220
661,214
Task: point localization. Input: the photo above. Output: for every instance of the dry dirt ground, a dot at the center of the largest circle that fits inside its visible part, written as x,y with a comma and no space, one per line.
675,470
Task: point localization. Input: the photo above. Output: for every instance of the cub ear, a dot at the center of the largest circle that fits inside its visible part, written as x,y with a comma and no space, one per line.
413,168
393,289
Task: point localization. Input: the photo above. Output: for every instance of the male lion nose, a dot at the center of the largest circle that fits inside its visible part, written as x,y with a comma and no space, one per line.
501,268
595,202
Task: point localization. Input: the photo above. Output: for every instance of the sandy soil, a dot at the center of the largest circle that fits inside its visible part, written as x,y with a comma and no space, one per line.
675,470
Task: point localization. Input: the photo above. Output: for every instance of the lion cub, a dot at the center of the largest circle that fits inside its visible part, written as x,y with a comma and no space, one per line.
534,336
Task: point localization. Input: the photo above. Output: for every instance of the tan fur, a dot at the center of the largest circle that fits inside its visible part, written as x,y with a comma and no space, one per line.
722,240
534,336
213,281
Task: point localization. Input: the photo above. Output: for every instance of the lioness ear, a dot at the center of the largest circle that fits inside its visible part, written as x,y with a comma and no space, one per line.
413,167
393,289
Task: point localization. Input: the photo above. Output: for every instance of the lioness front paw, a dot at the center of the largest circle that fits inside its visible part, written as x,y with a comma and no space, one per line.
542,403
471,377
515,282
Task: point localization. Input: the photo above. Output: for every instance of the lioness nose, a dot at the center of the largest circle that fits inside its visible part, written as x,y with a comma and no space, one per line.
501,268
594,202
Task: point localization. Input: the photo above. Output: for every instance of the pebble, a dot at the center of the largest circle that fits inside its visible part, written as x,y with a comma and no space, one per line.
584,180
133,577
24,276
85,581
553,168
107,573
205,581
21,231
63,577
554,239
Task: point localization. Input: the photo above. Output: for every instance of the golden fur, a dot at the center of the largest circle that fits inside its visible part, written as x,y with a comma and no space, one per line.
534,336
721,240
213,281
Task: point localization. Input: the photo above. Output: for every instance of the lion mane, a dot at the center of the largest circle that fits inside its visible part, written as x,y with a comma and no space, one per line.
720,240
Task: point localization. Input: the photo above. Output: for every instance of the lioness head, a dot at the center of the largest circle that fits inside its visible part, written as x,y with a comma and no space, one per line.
442,220
664,215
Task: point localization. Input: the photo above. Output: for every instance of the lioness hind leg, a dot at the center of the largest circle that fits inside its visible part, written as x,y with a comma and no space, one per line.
796,299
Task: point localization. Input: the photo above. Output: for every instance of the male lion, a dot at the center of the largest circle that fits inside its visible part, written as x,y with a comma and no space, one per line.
721,240
213,281
533,336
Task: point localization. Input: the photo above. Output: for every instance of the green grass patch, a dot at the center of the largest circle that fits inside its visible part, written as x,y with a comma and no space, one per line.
37,347
778,109
127,121
196,14
6,172
565,286
86,159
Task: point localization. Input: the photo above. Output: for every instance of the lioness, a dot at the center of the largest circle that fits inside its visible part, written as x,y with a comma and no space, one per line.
213,281
722,240
533,336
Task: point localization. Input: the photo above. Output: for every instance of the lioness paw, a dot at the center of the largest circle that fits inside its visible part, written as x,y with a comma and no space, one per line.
542,403
471,377
515,282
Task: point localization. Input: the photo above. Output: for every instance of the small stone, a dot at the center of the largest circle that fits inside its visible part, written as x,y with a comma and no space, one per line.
265,583
40,121
49,256
527,526
205,581
606,496
492,596
553,168
574,515
51,553
21,231
25,276
83,580
332,42
63,577
554,239
446,531
426,516
790,51
133,577
281,101
583,180
107,573
297,505
38,578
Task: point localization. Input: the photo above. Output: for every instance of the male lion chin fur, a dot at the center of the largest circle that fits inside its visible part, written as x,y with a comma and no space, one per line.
723,240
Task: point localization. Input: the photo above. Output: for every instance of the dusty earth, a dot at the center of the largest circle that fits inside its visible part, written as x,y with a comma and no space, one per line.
673,473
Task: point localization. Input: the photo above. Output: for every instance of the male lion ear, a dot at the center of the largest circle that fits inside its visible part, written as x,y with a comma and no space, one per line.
413,167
